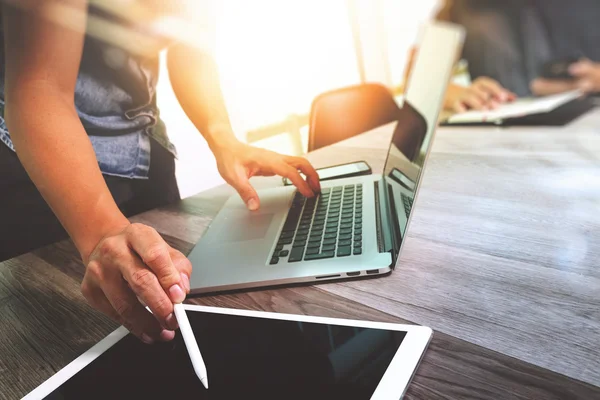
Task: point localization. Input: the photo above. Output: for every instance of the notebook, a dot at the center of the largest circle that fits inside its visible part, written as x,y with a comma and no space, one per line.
558,109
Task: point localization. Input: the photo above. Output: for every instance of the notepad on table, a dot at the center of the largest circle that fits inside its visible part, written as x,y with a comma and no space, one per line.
518,109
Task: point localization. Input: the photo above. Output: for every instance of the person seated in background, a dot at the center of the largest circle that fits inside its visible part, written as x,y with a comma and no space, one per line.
482,93
485,91
80,131
510,41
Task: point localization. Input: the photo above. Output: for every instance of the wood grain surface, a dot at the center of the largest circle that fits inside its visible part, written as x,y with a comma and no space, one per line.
504,247
500,260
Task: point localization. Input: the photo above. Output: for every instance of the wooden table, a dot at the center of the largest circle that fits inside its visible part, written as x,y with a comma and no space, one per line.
502,260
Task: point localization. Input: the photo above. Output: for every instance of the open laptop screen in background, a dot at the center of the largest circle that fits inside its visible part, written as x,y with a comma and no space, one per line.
439,49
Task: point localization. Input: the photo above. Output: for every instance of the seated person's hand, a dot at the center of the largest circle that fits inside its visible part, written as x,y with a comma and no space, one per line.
133,267
483,94
238,162
586,75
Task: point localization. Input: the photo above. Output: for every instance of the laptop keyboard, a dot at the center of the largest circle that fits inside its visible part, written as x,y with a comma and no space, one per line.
408,202
325,226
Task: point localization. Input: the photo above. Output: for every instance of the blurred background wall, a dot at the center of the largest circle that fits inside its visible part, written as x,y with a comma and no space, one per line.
275,57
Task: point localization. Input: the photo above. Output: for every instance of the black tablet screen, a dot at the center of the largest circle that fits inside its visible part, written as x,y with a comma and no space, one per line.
246,357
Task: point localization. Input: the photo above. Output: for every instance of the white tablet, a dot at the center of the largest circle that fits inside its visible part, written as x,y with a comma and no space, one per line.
250,354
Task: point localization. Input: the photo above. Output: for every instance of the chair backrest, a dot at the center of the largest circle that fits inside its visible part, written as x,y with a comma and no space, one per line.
346,112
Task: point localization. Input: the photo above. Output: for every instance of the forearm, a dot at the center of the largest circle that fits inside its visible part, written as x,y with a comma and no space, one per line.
58,156
195,81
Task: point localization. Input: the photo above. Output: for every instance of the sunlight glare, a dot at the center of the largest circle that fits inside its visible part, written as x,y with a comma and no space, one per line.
274,57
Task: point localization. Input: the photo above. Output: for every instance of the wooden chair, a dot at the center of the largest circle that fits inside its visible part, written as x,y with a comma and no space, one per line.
346,112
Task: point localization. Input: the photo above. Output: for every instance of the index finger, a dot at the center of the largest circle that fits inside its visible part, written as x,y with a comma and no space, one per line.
154,252
473,102
312,176
495,89
134,316
287,171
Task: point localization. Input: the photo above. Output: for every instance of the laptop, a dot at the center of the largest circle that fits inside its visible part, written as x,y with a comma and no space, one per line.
356,226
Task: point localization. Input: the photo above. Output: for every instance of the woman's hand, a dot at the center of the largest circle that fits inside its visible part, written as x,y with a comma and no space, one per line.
483,94
134,267
586,77
238,162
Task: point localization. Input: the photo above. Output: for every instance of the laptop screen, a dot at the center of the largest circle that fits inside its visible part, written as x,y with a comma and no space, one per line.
411,142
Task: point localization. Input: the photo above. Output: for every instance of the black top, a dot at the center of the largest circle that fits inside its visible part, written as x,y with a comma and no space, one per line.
510,40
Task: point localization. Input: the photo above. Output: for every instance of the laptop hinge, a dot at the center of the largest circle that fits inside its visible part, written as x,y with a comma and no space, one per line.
395,223
389,238
384,238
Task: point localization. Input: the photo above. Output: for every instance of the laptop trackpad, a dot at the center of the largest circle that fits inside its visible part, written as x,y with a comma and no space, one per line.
241,227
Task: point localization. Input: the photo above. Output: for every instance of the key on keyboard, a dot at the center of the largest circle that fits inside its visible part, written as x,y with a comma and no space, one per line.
325,226
408,202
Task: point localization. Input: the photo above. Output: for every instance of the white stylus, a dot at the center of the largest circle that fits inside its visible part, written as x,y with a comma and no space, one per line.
190,344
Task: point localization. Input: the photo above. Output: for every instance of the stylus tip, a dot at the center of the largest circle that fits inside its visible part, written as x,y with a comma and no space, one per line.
204,382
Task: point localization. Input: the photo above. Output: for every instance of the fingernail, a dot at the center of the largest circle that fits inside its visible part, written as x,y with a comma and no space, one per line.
147,339
142,302
171,322
166,335
252,205
186,282
177,295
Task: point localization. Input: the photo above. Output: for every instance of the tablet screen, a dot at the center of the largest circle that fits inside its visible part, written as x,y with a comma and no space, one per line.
246,357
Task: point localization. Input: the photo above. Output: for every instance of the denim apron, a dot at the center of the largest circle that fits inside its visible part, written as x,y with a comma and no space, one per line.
115,98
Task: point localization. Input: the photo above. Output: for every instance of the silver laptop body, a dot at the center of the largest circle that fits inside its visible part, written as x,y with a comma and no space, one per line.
355,228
